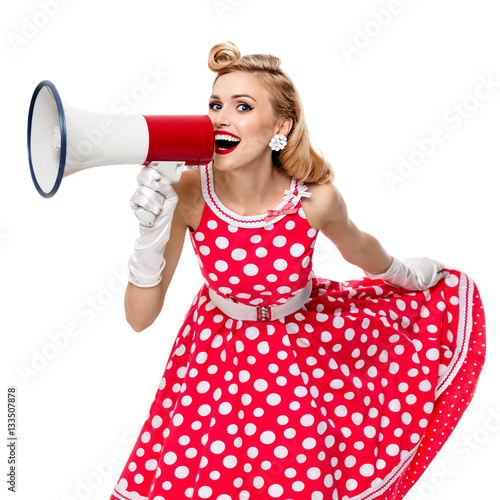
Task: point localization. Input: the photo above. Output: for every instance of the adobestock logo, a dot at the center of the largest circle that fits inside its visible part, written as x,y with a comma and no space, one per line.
364,36
31,27
453,118
222,7
58,341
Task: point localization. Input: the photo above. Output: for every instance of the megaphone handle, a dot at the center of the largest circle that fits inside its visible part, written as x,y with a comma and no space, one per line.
170,172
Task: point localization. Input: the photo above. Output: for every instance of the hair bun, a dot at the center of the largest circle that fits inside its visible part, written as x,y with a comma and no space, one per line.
223,55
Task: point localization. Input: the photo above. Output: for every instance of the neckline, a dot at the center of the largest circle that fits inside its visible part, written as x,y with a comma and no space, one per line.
208,189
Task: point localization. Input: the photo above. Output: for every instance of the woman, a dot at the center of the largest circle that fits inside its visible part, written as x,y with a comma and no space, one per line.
282,384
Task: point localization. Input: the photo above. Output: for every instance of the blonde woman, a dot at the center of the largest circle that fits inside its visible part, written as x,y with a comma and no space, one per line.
282,384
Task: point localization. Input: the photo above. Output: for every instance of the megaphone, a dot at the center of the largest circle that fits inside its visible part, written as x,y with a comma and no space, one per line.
63,140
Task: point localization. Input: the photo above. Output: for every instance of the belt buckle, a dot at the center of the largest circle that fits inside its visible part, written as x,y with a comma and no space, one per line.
263,313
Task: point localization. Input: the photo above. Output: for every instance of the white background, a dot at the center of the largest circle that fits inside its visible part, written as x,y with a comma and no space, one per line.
80,411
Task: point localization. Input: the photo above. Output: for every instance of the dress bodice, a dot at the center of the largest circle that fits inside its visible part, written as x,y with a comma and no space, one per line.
260,259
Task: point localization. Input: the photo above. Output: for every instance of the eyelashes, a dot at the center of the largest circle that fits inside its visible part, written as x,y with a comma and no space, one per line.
213,105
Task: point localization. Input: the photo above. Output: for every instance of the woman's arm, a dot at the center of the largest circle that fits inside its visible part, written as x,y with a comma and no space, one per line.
144,304
327,212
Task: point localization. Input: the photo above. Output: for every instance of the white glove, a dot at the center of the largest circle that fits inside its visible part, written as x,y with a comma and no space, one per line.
146,263
412,274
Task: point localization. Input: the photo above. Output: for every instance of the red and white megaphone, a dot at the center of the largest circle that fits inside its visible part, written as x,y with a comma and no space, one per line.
63,139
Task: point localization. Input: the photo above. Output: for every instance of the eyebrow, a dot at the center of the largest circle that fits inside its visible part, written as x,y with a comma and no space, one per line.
234,96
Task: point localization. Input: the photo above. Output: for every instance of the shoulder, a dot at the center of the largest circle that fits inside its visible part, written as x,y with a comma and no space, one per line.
324,205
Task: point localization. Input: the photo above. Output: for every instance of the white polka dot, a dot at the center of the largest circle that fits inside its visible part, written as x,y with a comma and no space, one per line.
138,478
367,470
297,250
222,242
251,270
279,241
146,436
425,386
451,280
181,472
212,224
250,429
238,254
205,492
260,385
313,473
225,408
271,278
370,431
395,405
309,443
280,452
280,264
221,266
267,437
203,387
261,252
151,464
432,354
263,347
392,450
251,333
217,447
230,461
204,250
273,399
275,490
258,482
351,484
307,420
156,422
204,410
341,411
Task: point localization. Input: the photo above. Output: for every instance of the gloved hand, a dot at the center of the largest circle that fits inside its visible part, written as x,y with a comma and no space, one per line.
158,197
412,274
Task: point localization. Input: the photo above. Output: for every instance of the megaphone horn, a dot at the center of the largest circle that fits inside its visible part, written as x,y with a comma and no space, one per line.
63,139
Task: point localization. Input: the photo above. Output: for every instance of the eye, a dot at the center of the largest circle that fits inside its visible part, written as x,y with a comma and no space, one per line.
213,105
248,108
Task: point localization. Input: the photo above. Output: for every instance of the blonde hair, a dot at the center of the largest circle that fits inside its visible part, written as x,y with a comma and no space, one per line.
298,159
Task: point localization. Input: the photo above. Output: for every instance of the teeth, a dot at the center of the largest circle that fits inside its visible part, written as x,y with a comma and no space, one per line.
224,137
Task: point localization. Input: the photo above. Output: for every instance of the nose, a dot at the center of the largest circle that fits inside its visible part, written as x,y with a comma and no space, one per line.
220,118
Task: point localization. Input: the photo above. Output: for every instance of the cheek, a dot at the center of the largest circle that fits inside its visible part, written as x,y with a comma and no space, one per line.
259,131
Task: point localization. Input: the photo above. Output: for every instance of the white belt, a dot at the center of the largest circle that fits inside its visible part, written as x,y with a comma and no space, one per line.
245,312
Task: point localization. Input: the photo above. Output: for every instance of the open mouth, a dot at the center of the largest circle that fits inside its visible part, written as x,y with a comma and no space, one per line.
225,143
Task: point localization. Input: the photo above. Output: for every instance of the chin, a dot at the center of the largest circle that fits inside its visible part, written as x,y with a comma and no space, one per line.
222,162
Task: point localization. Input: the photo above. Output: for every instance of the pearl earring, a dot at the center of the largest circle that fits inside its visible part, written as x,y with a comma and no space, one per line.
278,142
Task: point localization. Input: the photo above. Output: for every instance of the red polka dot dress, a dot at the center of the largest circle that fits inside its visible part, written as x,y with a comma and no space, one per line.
349,397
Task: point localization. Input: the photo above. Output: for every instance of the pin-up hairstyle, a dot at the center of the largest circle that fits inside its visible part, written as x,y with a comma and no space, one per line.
298,159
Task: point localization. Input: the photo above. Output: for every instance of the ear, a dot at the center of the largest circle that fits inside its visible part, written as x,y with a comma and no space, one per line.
285,127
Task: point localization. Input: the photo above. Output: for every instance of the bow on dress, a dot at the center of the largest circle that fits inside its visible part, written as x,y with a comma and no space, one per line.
290,207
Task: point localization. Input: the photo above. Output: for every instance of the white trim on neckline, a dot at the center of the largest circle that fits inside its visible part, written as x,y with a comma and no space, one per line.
232,218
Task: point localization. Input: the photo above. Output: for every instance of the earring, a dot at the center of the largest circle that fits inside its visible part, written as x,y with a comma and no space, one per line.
278,142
